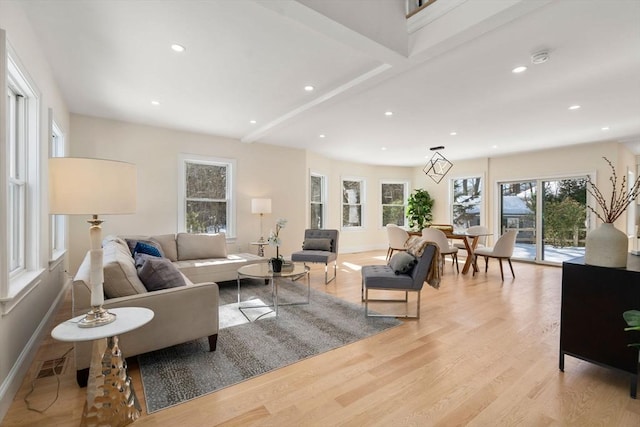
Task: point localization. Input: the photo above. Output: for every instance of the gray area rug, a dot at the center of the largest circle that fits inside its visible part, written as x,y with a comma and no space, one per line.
246,349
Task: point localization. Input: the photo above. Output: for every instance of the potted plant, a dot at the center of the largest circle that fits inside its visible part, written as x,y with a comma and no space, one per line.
419,207
632,317
274,240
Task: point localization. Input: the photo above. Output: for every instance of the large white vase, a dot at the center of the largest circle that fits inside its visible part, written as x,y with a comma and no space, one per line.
606,246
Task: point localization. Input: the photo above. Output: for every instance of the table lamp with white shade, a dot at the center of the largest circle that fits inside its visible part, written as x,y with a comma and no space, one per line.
81,186
261,206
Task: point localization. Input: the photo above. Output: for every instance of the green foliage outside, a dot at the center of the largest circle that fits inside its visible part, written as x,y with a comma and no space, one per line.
563,221
419,209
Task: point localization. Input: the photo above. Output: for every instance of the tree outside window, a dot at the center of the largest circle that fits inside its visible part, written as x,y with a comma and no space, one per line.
317,196
467,202
394,203
352,191
207,198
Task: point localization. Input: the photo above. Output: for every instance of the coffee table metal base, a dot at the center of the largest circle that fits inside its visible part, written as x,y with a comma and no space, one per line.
263,272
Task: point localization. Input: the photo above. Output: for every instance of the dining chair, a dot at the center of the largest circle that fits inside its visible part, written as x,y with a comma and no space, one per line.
438,237
503,249
398,238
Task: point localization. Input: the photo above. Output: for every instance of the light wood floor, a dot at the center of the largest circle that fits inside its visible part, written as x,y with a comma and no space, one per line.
484,353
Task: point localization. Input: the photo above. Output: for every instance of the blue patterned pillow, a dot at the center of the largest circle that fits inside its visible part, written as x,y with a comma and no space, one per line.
145,248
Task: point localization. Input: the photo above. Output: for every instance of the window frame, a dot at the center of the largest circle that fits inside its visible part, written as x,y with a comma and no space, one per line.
481,203
405,199
230,199
58,223
323,199
18,279
362,203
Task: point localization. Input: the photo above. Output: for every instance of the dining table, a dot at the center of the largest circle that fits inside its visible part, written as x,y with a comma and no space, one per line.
470,243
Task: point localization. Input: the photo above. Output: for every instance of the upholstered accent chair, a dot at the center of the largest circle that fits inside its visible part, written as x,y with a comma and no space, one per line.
319,246
437,236
393,277
398,238
503,249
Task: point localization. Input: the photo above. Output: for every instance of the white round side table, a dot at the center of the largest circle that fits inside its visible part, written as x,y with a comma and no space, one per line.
111,399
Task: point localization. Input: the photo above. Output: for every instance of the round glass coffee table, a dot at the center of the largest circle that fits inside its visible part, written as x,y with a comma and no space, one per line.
293,271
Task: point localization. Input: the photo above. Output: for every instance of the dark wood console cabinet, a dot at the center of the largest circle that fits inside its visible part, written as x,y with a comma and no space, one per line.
591,323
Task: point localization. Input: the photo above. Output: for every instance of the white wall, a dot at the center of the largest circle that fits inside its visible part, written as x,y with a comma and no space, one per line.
23,323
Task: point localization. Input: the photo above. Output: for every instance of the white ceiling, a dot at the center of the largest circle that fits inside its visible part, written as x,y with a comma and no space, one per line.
447,69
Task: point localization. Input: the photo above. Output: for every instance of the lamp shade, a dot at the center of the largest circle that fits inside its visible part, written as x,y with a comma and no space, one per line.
80,186
260,206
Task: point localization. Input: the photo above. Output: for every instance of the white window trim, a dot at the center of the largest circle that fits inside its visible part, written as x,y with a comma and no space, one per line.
13,288
323,196
405,204
231,193
363,202
58,244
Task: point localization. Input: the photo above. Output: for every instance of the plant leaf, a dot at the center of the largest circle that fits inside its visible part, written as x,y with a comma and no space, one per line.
632,317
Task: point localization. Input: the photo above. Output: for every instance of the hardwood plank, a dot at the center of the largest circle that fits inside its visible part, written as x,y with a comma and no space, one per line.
484,352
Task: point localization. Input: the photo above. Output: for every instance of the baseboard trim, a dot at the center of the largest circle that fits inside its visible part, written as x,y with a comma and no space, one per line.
13,381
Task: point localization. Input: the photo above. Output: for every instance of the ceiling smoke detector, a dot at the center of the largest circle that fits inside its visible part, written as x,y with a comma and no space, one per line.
540,57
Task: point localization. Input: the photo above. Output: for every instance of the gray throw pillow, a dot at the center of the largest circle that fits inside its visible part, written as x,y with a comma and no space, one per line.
402,263
157,273
317,244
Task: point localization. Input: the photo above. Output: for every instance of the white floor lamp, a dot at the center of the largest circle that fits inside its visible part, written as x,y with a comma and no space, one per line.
261,206
79,186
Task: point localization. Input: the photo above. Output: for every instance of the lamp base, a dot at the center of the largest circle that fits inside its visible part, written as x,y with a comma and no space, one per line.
98,316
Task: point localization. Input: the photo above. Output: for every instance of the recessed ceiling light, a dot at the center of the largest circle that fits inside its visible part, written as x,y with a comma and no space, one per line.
178,48
605,128
519,69
454,133
154,102
253,122
574,107
322,135
494,146
388,113
383,148
309,88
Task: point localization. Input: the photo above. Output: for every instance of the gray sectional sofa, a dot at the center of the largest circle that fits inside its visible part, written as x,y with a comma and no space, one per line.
183,312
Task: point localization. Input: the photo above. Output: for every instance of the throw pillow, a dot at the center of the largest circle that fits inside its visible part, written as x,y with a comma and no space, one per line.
145,248
201,246
133,241
158,273
402,262
317,244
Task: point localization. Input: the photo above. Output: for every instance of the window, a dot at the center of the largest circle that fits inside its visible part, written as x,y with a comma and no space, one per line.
393,197
23,191
58,222
317,196
352,200
207,203
467,202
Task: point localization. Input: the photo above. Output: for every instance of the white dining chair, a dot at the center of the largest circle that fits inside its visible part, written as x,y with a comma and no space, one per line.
438,237
398,238
475,230
503,249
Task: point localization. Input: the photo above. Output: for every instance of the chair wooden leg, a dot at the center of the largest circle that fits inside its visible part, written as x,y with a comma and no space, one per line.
501,272
455,257
511,267
486,264
389,252
475,264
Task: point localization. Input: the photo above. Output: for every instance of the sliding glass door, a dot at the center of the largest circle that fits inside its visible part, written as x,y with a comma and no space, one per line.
549,216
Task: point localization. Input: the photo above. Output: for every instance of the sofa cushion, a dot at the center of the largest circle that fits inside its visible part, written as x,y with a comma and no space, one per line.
120,275
157,273
132,241
145,248
201,246
168,243
402,262
317,244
